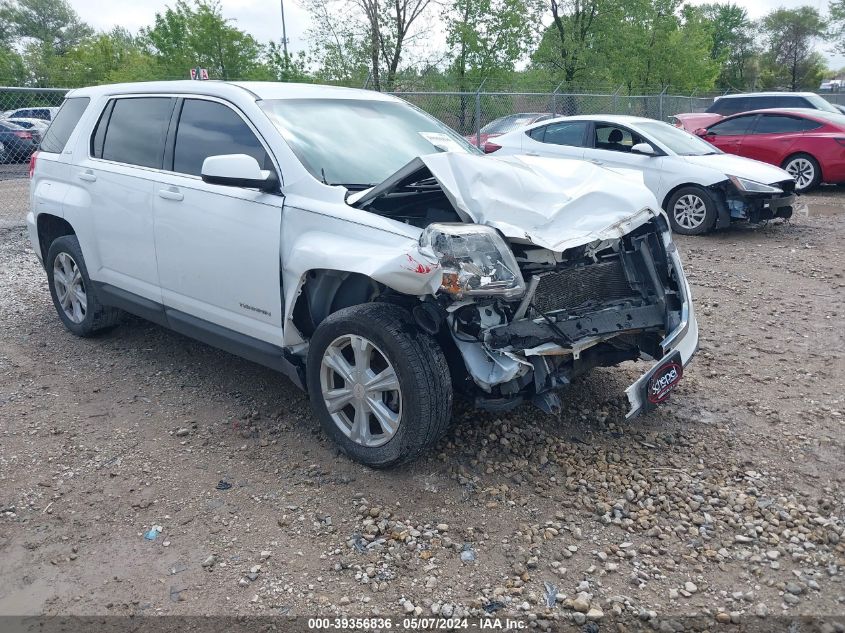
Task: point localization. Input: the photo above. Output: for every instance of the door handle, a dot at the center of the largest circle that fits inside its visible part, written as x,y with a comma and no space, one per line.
596,161
532,154
171,194
88,176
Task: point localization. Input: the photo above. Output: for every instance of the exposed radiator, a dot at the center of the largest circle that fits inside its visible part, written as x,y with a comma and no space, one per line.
571,288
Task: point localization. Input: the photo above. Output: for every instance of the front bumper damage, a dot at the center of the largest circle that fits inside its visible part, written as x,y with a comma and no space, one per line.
735,205
596,305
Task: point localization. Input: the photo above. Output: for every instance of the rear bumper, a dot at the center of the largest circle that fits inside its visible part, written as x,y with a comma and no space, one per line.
32,231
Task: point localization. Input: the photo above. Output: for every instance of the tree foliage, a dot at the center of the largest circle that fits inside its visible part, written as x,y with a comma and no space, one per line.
790,60
188,35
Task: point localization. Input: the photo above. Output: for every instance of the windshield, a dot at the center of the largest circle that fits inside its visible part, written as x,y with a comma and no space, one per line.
676,140
820,103
508,123
358,142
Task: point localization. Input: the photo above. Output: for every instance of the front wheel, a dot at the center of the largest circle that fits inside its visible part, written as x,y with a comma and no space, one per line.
691,211
380,387
805,170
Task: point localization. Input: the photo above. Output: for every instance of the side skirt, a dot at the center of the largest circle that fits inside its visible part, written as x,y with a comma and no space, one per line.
248,347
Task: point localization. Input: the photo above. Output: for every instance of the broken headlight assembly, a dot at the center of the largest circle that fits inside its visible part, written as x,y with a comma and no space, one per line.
752,186
476,261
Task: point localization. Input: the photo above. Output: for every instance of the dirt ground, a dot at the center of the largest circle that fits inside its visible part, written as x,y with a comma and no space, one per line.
727,504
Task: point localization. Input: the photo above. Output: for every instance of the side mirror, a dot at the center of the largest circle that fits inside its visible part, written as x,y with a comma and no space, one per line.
702,131
238,170
643,148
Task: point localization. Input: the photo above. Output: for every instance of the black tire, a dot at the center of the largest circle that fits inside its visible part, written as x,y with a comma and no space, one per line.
97,316
799,167
423,377
684,224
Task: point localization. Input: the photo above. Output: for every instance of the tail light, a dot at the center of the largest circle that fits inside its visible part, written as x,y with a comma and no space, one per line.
32,160
27,136
489,147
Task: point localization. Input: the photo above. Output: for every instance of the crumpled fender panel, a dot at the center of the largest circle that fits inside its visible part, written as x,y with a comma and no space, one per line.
315,241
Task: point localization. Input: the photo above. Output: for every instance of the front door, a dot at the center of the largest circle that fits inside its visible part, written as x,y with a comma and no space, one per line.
611,147
218,246
728,135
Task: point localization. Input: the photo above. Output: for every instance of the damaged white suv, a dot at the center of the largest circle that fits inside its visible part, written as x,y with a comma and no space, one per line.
359,246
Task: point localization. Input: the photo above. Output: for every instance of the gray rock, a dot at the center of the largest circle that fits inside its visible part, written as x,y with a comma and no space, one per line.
691,587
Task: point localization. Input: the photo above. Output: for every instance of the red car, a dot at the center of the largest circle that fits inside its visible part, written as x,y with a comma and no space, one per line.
506,124
809,144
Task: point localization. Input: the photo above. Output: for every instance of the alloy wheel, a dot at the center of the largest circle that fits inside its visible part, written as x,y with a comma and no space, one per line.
361,390
803,171
690,211
70,288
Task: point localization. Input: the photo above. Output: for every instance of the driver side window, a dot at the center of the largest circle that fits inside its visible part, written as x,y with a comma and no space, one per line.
614,138
209,128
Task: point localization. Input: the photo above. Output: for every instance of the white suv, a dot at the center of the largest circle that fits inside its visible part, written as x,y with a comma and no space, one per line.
357,245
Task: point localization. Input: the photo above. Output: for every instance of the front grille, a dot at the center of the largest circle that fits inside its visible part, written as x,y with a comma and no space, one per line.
572,288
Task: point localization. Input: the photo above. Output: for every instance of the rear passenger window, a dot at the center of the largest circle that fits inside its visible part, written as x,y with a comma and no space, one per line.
57,135
136,131
778,124
208,128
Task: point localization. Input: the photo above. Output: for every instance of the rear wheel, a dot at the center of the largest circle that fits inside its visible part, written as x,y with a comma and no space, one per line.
73,294
805,170
691,211
380,387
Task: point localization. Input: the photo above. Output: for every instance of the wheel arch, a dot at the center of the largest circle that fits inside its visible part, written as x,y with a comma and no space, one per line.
51,227
324,291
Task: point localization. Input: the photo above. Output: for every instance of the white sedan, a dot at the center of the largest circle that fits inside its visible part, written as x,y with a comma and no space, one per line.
699,186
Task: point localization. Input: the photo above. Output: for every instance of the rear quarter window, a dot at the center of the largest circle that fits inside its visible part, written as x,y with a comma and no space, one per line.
66,120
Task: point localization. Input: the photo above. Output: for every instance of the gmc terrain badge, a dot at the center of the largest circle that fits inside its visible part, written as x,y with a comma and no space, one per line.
246,306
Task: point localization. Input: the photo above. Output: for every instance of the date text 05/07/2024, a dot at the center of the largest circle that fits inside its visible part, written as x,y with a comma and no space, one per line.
381,624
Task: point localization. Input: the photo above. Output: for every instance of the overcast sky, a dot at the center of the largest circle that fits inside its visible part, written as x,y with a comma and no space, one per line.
262,18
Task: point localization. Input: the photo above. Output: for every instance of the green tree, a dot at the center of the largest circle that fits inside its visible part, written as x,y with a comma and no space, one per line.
287,67
485,39
570,46
790,60
733,46
348,36
189,35
51,23
105,58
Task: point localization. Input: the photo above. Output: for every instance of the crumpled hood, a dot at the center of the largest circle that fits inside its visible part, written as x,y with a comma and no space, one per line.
731,165
551,202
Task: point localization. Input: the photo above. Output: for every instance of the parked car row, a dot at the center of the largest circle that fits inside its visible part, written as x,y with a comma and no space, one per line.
17,143
21,132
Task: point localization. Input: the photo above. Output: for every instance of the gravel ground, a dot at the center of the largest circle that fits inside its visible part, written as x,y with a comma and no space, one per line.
726,505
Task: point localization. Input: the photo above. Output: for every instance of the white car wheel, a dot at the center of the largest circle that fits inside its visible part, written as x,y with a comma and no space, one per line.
804,170
690,212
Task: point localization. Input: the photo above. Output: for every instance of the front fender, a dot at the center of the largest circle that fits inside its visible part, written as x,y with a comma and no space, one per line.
312,241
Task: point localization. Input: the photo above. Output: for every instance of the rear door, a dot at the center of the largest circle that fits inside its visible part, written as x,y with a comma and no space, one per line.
125,155
217,246
773,136
562,139
728,134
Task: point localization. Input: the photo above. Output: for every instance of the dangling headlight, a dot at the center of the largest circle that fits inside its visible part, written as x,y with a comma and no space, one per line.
475,260
752,186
